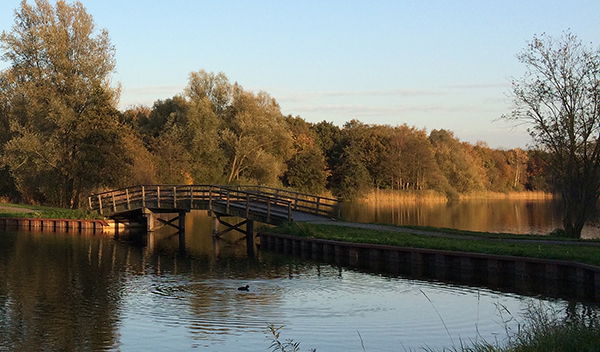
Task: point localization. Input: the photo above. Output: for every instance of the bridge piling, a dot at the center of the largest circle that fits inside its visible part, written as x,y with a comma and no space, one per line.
182,231
250,238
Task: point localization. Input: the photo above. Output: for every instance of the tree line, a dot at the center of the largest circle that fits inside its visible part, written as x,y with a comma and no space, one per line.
63,137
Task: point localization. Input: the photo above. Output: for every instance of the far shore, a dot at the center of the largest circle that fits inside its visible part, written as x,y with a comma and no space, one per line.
401,196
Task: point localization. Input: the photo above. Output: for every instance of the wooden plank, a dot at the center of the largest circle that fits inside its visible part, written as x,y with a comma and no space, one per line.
247,205
174,197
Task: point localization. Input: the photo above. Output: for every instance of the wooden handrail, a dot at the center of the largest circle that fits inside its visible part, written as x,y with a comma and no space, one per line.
152,195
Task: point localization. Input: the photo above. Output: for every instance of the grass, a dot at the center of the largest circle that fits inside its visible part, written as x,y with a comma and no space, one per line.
542,329
582,253
545,329
44,212
493,235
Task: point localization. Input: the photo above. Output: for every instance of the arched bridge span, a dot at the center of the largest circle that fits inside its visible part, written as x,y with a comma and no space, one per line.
253,203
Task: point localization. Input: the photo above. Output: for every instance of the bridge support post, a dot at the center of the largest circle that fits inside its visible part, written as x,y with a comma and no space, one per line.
216,246
215,224
149,216
250,237
182,231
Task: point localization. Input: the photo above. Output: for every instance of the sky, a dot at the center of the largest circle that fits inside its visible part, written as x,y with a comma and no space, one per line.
429,64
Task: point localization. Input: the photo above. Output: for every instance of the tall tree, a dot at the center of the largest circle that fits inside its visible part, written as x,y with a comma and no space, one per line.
457,162
350,176
256,140
210,95
306,169
411,161
559,99
65,138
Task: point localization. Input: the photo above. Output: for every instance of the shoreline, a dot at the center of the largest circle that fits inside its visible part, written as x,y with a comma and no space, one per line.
400,196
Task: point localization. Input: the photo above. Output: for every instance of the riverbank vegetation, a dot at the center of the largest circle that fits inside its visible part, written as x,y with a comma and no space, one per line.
540,329
582,251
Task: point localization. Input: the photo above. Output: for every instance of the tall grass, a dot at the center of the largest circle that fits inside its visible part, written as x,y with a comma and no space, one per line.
403,196
525,195
542,329
576,329
429,196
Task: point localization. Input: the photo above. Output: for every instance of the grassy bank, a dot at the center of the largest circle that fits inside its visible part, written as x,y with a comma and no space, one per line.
35,211
500,244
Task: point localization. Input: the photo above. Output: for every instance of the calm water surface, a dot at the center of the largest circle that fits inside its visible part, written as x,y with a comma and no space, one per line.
491,215
75,292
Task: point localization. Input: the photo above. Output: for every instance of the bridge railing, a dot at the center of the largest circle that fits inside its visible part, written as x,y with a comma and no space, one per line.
300,201
254,198
179,196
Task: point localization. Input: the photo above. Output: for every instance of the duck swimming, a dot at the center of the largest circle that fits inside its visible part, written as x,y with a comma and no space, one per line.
244,288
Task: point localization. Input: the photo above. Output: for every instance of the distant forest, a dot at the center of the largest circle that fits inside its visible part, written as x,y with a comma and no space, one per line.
216,132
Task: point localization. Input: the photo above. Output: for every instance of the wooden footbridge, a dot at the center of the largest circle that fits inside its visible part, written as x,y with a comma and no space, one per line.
252,203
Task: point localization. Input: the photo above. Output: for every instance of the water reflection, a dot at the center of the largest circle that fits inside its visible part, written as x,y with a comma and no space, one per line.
78,292
57,292
492,215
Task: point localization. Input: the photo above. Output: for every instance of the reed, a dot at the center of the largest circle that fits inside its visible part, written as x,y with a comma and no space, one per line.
403,196
545,329
541,329
525,195
429,196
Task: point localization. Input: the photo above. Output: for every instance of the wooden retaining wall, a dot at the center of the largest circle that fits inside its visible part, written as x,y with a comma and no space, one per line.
556,278
65,225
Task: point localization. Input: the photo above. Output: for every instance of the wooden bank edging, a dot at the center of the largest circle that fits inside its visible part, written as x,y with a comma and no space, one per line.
490,269
96,225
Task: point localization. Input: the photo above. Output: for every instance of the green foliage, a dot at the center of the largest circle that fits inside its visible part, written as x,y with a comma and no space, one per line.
61,111
255,140
457,164
544,329
306,170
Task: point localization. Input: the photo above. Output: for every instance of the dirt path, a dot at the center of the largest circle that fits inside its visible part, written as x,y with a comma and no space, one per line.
15,209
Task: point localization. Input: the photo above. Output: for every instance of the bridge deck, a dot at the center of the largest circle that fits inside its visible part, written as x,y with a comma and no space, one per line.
263,204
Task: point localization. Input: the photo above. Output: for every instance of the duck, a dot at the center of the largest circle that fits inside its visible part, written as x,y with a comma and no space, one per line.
244,288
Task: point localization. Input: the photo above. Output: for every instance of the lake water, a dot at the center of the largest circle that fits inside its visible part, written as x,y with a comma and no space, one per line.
490,215
85,292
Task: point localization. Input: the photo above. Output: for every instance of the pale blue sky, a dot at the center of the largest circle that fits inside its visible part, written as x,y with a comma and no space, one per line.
430,64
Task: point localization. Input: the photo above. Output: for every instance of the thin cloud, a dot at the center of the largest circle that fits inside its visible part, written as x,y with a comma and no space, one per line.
398,110
154,90
305,96
478,86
